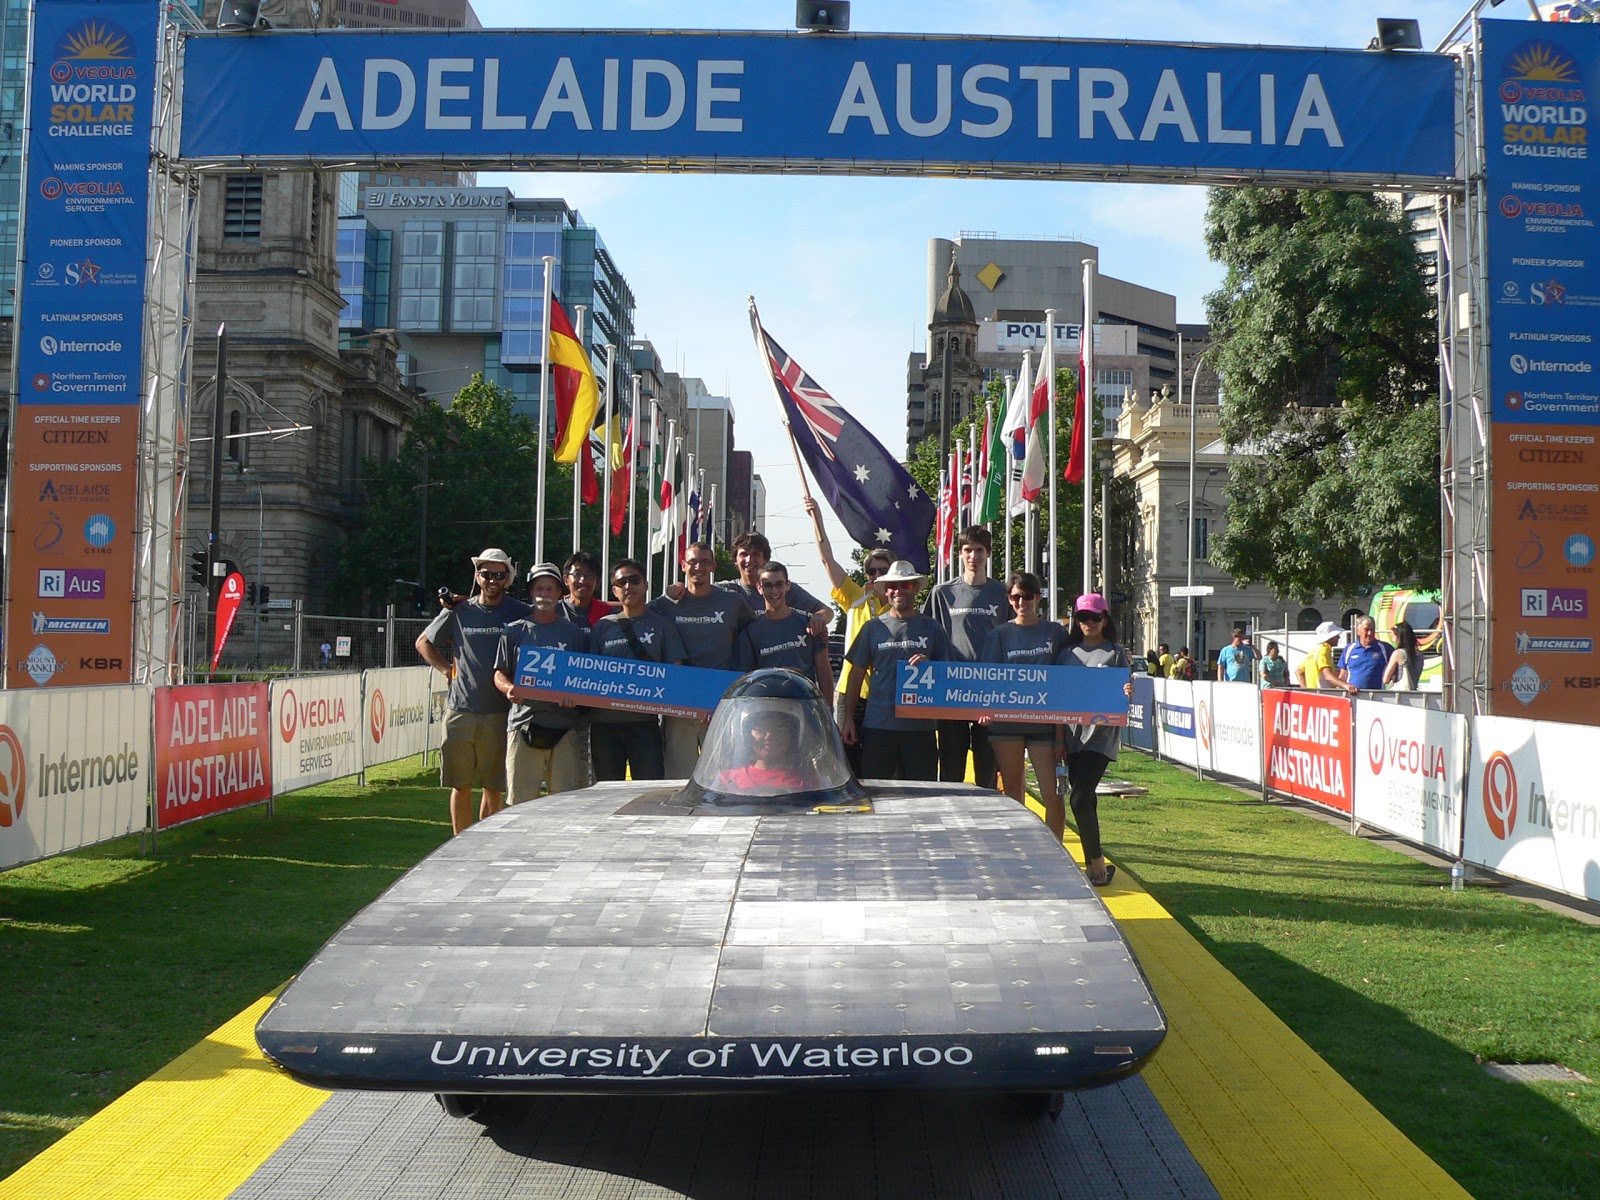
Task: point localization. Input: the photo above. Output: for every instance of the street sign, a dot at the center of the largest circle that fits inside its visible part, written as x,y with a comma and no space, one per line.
1199,589
279,604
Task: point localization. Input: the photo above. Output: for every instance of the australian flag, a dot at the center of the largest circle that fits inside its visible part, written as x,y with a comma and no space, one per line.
881,506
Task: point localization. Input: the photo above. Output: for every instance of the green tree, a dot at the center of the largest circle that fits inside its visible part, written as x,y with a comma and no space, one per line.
1324,337
473,470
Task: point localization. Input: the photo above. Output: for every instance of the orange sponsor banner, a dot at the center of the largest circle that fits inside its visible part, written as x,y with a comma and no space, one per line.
1545,644
1308,746
74,496
213,750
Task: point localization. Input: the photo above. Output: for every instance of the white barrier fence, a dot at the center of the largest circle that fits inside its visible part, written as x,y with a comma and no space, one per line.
83,765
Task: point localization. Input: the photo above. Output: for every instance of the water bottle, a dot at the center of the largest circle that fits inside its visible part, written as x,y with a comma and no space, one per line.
1458,875
1061,777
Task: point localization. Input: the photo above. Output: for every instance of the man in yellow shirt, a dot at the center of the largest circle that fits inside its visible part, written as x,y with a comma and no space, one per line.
1320,669
860,605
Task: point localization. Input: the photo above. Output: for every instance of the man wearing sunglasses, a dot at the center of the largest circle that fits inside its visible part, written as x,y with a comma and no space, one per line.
896,747
473,748
623,743
968,608
709,620
860,605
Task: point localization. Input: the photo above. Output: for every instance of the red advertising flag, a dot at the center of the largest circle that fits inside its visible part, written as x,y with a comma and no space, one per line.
227,609
213,750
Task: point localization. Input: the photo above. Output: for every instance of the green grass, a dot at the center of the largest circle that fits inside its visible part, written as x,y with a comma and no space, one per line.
1399,984
116,963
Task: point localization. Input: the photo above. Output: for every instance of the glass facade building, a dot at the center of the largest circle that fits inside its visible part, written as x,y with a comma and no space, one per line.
13,74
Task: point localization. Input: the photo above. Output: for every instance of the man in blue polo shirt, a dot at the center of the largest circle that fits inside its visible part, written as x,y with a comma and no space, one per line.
1362,663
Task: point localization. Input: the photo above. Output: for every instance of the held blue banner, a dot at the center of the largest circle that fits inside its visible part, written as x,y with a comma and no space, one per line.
634,684
1067,695
790,101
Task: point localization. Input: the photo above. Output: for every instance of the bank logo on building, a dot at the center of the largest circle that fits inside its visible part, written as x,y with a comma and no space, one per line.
1500,795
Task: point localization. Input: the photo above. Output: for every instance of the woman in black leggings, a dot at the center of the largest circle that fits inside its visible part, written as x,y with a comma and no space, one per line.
1091,641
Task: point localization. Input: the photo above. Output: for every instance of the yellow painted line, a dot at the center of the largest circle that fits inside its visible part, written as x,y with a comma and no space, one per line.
195,1130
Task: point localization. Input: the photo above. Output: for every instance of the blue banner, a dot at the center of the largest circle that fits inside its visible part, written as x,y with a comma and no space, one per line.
1004,106
634,684
1543,189
1141,731
1065,695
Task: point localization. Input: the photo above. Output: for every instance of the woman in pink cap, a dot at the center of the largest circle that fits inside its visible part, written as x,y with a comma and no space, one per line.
1091,641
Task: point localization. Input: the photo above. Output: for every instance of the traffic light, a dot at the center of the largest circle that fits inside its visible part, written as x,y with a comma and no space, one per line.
250,593
197,567
263,594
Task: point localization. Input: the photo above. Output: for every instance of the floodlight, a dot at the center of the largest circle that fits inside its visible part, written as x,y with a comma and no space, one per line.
822,16
239,16
1397,33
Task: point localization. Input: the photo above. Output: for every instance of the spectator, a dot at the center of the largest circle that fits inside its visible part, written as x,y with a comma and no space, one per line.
1406,661
1164,657
897,747
1318,669
709,620
967,609
326,650
542,746
1182,665
474,742
1026,640
1274,668
626,743
860,605
778,637
1236,661
1364,660
1090,749
1154,662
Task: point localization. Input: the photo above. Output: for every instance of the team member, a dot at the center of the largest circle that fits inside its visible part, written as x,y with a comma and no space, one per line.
778,637
1090,749
967,609
860,605
1236,661
1023,641
542,745
474,742
897,747
751,552
581,606
709,620
1319,668
624,743
1364,660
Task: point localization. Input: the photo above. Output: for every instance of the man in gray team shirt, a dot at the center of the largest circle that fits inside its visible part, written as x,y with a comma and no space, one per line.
542,743
779,637
474,744
751,552
967,609
628,744
709,620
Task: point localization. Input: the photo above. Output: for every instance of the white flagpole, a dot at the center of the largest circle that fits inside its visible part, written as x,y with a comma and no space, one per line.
1050,375
577,467
972,473
544,412
1087,367
679,510
633,464
605,473
956,469
711,520
1005,462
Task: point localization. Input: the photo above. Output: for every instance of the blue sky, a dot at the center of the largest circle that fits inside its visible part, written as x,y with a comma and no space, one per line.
838,265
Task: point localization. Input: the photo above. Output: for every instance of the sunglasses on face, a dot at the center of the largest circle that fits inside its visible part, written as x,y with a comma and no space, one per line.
1089,618
900,586
494,576
1019,597
874,573
627,581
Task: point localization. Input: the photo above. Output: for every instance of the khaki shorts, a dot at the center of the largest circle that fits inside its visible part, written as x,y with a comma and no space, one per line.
473,750
561,766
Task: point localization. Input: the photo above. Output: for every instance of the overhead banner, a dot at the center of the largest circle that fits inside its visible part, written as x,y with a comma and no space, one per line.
1530,810
1307,751
79,328
1409,768
213,750
74,769
1543,189
394,717
764,101
314,721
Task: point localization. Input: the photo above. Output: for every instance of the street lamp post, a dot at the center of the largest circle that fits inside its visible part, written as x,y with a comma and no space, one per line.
1188,600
